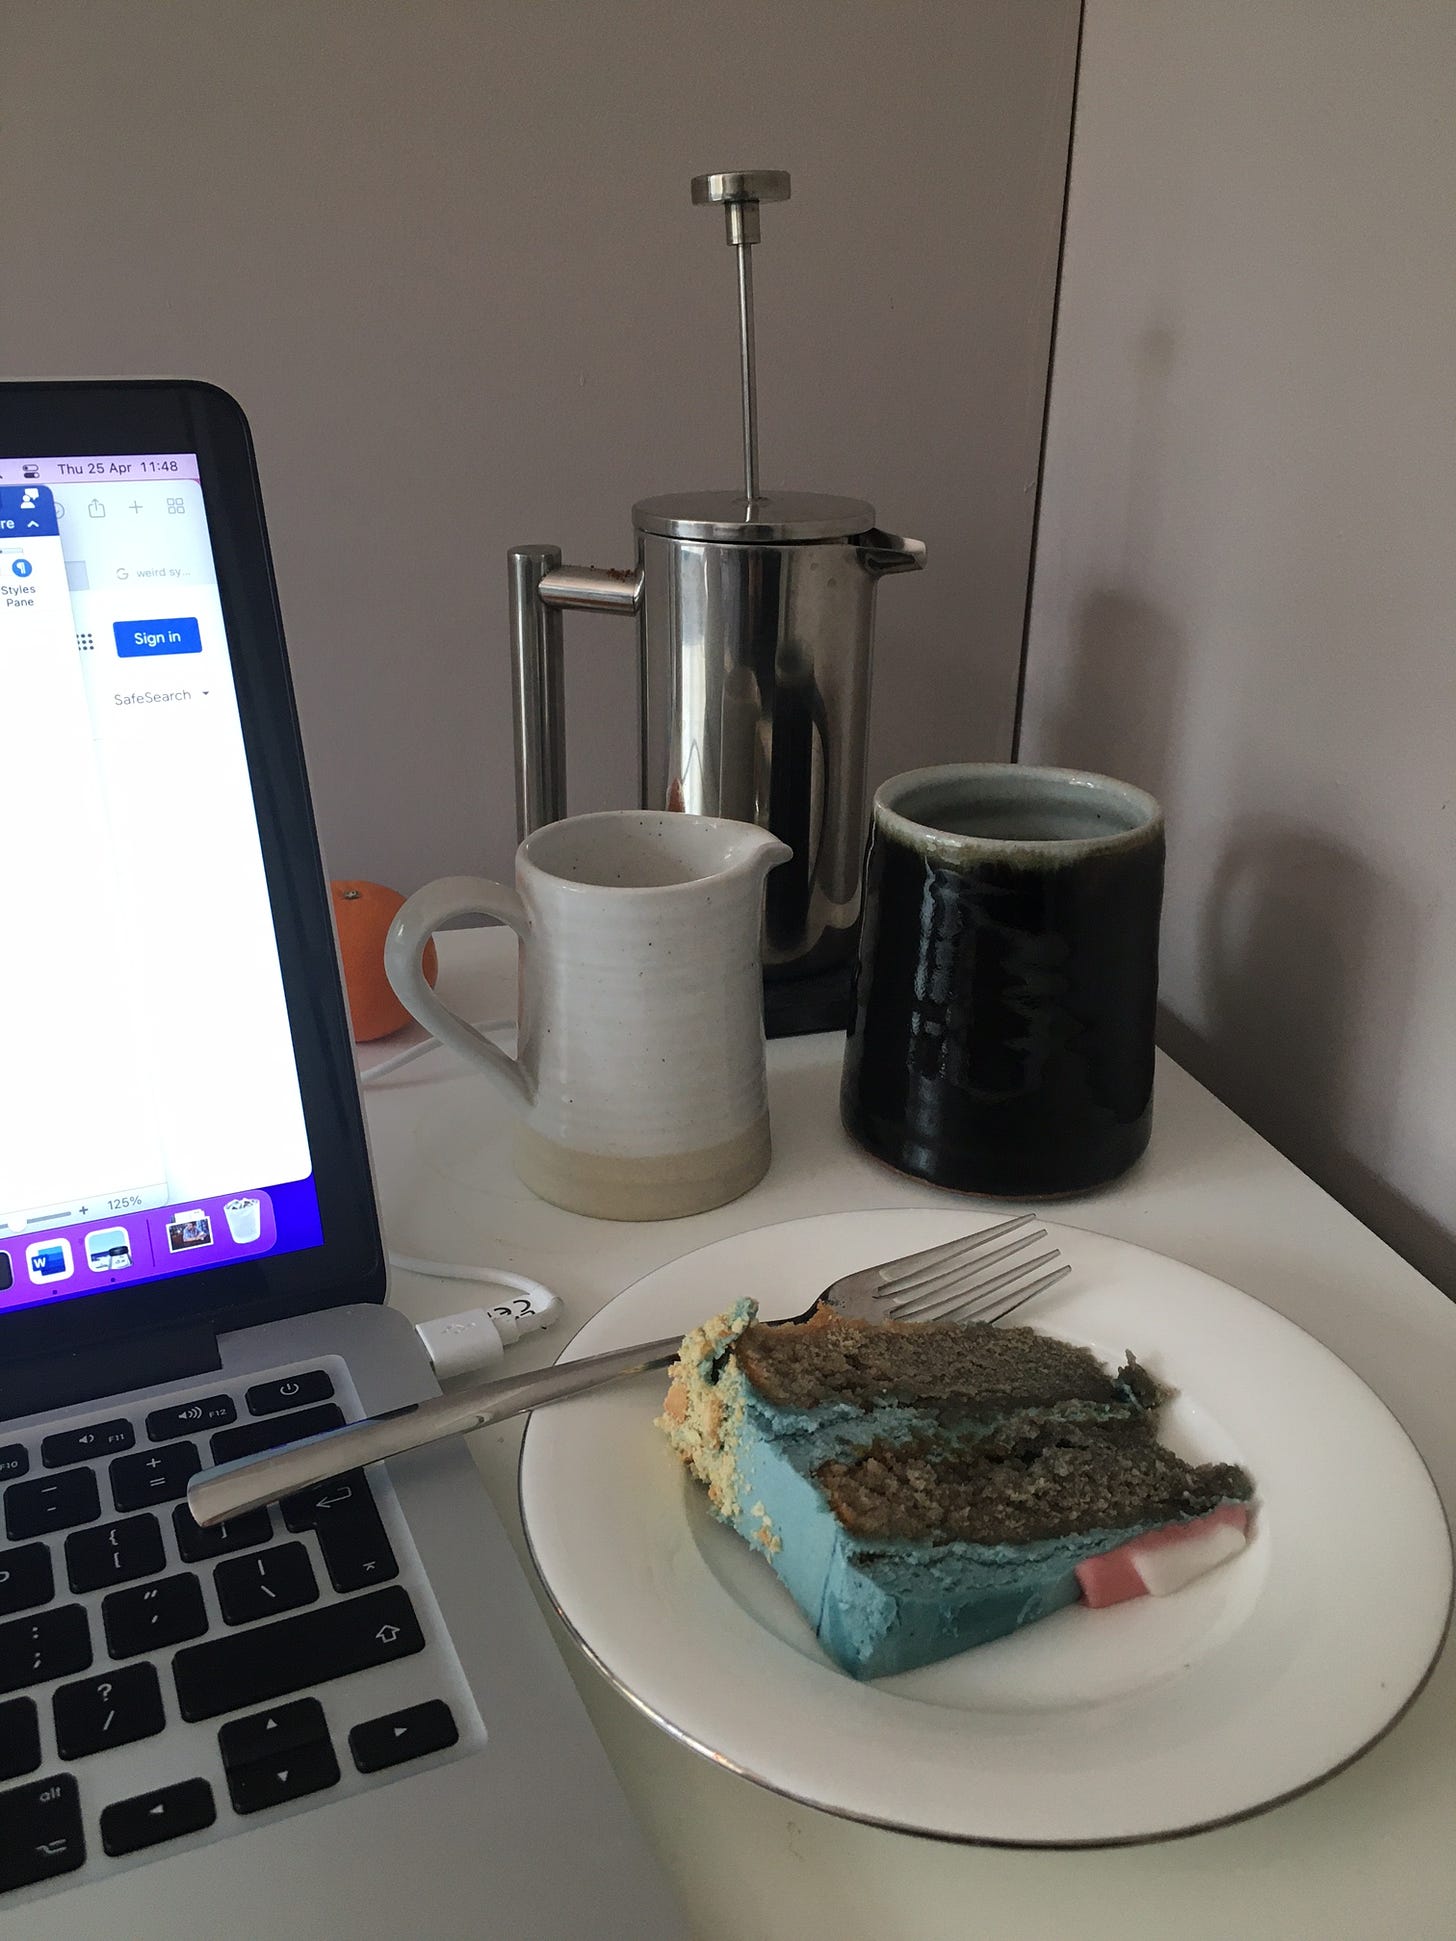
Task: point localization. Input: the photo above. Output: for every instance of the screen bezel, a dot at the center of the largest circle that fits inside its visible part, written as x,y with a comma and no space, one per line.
101,417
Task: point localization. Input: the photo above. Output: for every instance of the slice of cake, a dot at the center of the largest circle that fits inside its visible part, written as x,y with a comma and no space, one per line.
924,1487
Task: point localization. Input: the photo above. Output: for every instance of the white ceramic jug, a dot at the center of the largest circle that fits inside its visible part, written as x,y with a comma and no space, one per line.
639,1065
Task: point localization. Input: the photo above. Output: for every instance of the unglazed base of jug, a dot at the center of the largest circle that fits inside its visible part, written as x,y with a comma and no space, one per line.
605,1187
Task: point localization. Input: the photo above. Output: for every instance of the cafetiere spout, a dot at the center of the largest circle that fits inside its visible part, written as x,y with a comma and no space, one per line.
886,552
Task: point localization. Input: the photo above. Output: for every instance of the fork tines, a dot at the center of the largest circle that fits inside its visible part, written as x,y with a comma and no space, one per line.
959,1279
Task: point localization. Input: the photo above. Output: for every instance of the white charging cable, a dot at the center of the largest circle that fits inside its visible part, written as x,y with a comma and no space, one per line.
462,1344
412,1052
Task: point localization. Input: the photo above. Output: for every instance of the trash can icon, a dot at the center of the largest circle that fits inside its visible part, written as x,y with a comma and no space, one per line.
244,1217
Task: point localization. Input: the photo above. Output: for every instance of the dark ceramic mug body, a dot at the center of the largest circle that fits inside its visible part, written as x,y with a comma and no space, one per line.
1002,1038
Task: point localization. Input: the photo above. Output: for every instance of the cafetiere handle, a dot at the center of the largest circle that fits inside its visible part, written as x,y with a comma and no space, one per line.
540,588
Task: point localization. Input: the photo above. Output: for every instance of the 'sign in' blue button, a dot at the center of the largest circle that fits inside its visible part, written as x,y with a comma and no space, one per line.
136,638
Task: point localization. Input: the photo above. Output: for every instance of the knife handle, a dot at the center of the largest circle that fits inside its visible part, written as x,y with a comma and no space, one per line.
230,1489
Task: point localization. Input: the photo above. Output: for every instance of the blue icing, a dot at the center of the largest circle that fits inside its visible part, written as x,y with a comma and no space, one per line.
894,1605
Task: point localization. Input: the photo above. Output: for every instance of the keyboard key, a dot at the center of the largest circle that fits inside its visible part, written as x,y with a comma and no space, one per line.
340,1497
195,1545
153,1615
84,1445
40,1832
403,1735
14,1461
155,1476
268,1661
267,1735
356,1551
96,1713
266,1584
51,1503
26,1578
52,1644
291,1776
114,1553
150,1818
292,1392
251,1437
191,1418
351,1535
19,1737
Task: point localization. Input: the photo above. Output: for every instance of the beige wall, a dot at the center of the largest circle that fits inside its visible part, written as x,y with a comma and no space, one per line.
447,251
1246,577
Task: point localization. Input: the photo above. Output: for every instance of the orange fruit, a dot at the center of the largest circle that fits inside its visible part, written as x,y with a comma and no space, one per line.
363,913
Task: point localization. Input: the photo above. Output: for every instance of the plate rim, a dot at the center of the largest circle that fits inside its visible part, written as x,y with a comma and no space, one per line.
1001,1842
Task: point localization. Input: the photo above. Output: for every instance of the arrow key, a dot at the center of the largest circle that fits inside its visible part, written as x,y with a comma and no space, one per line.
266,1736
272,1782
149,1818
398,1736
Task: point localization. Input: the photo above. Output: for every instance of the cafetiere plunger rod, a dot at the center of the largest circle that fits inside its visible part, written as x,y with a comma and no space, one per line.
740,191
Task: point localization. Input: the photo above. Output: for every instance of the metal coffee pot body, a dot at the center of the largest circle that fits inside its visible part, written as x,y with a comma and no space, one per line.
755,629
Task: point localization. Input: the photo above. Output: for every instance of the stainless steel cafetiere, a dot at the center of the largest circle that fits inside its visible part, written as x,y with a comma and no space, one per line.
755,630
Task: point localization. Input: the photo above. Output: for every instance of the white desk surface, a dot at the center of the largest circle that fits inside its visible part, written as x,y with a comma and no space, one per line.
1372,1853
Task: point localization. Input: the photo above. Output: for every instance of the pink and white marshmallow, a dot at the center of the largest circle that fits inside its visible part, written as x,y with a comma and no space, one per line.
1164,1560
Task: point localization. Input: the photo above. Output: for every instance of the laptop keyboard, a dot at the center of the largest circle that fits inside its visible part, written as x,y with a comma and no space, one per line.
124,1624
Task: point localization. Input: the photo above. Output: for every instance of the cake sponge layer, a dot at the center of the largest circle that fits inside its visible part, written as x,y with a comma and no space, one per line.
1027,1480
805,1365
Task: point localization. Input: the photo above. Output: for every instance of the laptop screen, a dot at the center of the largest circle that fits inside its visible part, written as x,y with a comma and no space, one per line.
156,1124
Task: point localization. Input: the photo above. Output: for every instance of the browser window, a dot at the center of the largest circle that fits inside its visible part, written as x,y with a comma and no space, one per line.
155,1121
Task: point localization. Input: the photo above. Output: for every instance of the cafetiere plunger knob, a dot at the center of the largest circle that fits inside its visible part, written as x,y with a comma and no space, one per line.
740,191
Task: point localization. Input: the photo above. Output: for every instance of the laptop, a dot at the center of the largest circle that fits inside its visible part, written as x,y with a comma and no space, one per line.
343,1715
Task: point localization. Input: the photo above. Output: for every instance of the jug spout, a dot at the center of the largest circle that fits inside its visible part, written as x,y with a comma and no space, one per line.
752,852
886,552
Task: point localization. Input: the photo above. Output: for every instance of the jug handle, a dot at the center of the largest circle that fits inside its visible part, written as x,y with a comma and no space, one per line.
540,588
886,552
404,948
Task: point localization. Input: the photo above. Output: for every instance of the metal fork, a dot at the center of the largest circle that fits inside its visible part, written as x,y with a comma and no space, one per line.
959,1280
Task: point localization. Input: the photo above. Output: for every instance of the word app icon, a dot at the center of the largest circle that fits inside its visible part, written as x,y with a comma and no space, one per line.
48,1260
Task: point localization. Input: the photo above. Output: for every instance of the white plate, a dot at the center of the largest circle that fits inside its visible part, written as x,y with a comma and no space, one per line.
1153,1718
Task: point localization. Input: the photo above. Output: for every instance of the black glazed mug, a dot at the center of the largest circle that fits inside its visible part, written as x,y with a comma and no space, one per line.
1002,1037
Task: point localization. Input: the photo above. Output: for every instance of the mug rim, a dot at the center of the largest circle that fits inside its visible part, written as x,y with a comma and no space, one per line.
948,844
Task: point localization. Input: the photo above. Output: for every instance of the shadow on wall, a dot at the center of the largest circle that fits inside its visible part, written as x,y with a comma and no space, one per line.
1124,697
1310,959
1309,955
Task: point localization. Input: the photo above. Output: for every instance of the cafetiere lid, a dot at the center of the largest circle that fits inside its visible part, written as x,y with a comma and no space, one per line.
769,518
